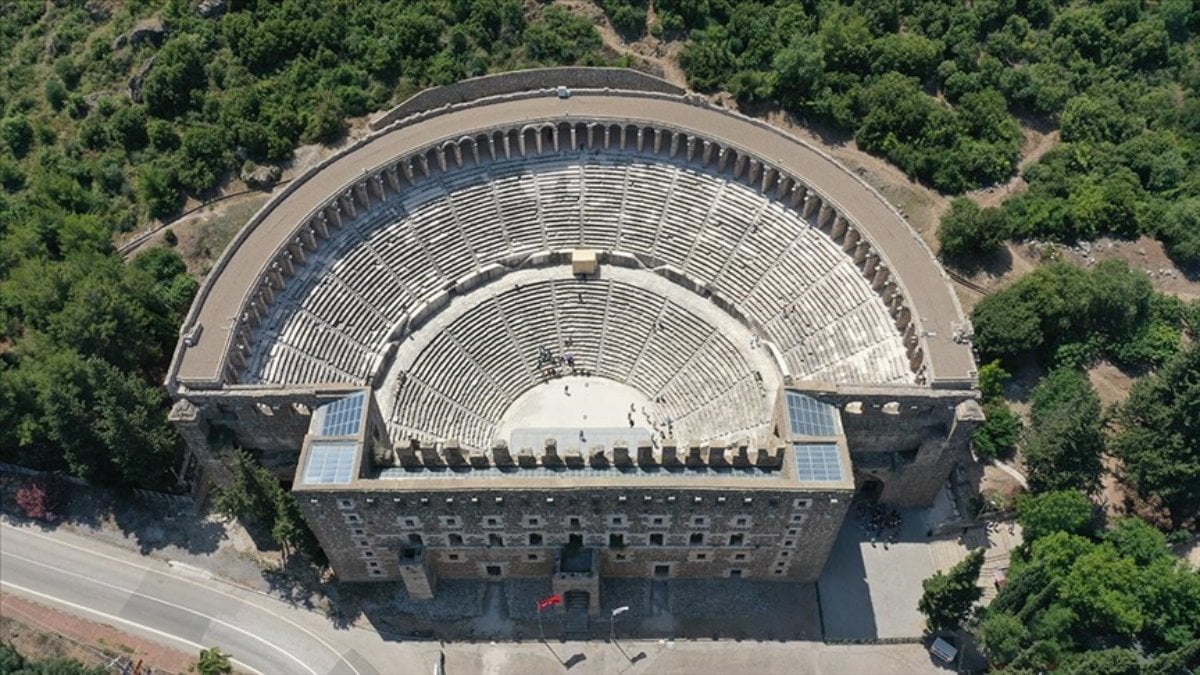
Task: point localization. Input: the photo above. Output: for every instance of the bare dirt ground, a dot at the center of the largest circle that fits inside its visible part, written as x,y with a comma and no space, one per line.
1110,382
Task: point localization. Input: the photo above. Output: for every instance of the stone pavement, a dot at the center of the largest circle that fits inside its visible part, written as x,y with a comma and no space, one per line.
101,636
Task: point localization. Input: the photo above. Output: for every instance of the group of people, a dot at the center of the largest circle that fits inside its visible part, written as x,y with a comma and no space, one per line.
550,364
881,524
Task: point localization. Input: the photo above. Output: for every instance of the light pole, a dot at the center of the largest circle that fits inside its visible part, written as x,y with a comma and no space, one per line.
612,623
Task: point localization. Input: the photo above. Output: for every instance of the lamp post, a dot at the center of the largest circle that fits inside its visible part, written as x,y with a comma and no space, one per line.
612,622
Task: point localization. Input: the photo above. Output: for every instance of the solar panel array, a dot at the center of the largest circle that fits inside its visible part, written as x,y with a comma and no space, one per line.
330,462
343,417
810,417
818,462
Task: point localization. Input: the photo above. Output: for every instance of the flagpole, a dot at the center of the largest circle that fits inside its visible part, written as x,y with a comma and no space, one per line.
541,631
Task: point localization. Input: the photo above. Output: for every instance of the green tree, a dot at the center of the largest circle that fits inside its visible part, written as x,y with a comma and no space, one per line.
157,190
178,71
1067,511
967,230
1062,449
213,662
948,597
1159,441
1001,636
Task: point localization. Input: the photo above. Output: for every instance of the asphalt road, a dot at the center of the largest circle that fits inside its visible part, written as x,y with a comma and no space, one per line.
140,596
184,607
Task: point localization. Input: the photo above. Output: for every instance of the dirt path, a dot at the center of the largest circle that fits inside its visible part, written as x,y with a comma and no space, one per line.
662,57
1036,145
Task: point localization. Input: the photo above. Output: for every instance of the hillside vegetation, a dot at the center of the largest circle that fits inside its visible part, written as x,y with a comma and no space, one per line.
112,117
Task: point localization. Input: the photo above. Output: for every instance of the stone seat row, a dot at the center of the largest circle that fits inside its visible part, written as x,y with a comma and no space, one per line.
759,253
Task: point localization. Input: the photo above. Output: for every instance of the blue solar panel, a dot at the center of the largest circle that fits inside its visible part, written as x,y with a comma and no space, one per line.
810,417
343,417
330,462
818,462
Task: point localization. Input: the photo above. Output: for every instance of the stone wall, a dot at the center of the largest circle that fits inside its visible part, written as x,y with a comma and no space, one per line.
572,77
908,438
769,534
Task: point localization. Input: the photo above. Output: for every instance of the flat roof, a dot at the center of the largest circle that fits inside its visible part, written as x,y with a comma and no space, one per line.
924,284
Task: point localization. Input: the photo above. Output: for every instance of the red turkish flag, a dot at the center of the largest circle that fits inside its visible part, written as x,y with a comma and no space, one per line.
549,602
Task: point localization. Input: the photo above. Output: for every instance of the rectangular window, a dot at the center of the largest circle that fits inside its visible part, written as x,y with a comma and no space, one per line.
532,521
801,503
453,557
493,570
454,539
696,539
739,556
495,540
616,540
700,521
659,520
534,557
617,521
656,539
737,539
742,522
575,523
735,574
535,539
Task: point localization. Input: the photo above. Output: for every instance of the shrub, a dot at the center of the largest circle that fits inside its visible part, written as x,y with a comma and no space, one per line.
42,498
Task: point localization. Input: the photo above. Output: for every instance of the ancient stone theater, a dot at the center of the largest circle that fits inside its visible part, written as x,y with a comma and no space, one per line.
574,324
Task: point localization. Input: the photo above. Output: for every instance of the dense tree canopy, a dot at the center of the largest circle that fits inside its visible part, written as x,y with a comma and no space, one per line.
1159,437
1070,316
1093,605
99,134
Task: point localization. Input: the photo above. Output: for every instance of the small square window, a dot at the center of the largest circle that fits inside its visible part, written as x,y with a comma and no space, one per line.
784,554
741,522
700,521
353,518
533,557
493,522
575,523
372,563
453,557
359,532
658,521
792,533
618,520
801,503
739,556
620,557
345,504
410,522
789,542
701,556
778,573
376,573
656,539
369,554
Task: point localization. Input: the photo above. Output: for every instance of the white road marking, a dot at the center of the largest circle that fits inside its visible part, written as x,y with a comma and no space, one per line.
208,587
181,608
110,617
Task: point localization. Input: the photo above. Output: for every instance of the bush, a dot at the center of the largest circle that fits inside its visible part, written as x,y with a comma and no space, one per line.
997,437
42,498
170,238
17,133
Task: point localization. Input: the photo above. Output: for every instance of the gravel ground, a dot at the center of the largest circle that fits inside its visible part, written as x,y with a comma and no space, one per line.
631,593
730,598
523,595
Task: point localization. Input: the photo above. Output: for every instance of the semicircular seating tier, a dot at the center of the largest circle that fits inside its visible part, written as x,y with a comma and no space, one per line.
472,370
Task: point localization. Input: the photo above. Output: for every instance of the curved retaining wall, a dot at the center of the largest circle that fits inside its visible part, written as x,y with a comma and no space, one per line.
571,77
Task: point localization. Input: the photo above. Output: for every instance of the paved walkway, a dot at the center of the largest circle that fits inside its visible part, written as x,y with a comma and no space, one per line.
102,636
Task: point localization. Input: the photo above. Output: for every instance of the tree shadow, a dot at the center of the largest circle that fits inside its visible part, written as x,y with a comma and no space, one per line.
152,521
995,264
